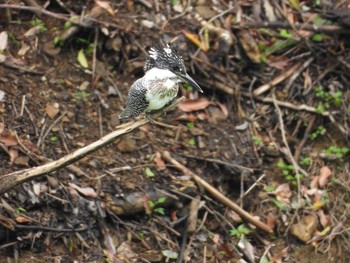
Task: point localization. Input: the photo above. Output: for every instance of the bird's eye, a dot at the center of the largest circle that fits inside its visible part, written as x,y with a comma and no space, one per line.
176,68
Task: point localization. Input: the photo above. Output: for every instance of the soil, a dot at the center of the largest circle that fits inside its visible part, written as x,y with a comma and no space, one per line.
124,202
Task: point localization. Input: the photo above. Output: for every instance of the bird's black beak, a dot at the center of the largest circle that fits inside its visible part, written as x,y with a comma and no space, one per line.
186,78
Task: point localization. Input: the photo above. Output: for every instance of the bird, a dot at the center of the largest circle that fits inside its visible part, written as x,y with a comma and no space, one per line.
164,70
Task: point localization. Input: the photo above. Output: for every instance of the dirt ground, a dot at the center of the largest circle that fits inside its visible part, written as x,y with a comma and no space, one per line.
270,133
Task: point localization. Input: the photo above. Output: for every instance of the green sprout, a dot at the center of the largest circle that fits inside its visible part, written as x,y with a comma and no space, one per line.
39,23
240,231
153,205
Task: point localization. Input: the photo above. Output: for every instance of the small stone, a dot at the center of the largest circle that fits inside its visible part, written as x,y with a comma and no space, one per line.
305,229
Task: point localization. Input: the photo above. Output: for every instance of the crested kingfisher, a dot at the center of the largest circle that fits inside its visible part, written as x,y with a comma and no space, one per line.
164,70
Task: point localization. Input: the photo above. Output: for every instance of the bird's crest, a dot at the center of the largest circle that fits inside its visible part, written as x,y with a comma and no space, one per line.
162,56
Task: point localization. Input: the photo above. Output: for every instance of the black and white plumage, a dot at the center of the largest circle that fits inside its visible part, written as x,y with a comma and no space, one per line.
164,69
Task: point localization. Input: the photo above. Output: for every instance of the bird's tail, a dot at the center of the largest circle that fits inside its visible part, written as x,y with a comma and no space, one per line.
125,114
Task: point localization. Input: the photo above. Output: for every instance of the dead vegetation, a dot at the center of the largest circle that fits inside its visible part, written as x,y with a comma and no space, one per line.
254,170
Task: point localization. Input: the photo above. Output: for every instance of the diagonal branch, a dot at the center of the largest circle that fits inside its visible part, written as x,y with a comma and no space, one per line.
219,196
8,181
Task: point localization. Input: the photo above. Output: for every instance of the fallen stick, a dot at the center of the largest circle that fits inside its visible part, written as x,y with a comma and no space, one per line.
219,196
284,75
8,181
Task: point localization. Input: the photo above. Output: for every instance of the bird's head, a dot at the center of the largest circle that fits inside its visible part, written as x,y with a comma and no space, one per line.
165,56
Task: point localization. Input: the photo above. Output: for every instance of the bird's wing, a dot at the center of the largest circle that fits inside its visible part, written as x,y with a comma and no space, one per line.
136,102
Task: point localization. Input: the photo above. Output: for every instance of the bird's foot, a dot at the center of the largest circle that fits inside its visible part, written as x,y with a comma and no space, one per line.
149,117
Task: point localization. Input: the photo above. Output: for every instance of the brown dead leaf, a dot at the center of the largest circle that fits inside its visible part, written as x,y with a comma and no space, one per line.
105,5
223,108
127,144
187,117
9,139
234,216
22,160
271,220
52,109
279,257
249,45
2,126
24,49
202,116
325,173
21,219
195,40
314,182
87,191
325,220
35,30
194,105
283,193
13,153
215,115
279,62
159,161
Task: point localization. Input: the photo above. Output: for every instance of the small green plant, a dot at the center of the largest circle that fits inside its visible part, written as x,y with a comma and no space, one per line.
57,41
190,125
157,210
39,23
81,96
149,173
288,172
340,152
192,142
305,161
327,99
20,210
53,139
257,141
240,231
320,130
269,188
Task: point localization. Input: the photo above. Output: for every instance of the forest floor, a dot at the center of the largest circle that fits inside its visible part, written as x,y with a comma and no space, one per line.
270,133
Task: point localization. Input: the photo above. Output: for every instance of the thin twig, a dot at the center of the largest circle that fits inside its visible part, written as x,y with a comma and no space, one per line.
219,196
284,75
327,29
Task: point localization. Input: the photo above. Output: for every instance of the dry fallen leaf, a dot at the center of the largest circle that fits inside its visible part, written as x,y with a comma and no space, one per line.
187,117
105,5
195,40
24,49
2,126
13,153
87,191
21,219
194,105
127,144
325,220
52,109
22,160
249,45
325,173
283,193
159,161
223,108
314,182
8,139
271,220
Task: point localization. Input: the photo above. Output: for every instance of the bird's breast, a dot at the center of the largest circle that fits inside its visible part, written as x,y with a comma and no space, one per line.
161,93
